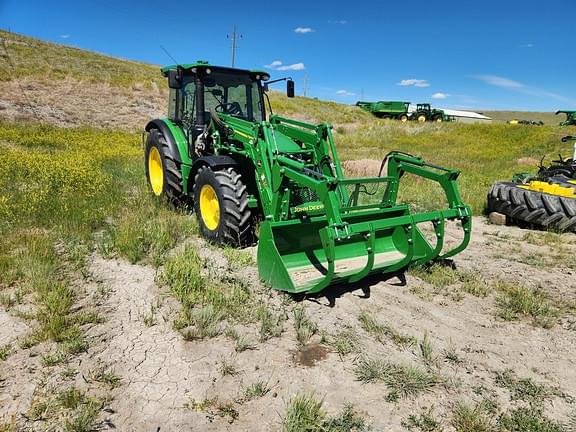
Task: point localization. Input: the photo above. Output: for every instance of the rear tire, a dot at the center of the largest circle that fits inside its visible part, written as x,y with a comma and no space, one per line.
221,205
403,118
526,207
162,170
421,117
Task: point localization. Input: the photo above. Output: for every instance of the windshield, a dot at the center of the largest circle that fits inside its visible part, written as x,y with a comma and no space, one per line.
234,94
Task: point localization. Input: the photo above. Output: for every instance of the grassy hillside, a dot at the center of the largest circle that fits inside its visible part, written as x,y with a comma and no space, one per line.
123,94
548,118
24,57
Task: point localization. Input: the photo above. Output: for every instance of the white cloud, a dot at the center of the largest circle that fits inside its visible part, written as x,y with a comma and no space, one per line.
345,93
500,81
292,67
414,82
341,22
440,95
303,30
528,45
64,36
273,65
522,88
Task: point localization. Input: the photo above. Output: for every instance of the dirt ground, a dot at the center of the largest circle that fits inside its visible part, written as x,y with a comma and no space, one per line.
163,378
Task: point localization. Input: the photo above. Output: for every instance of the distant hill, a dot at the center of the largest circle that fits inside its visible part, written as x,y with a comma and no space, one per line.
504,116
68,86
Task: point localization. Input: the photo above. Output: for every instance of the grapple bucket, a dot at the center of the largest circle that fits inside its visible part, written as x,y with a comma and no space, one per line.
297,256
349,239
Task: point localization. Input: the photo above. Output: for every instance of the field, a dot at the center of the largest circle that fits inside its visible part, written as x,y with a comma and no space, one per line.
117,315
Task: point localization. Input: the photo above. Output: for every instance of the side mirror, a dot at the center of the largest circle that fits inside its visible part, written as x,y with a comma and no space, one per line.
290,88
265,87
175,79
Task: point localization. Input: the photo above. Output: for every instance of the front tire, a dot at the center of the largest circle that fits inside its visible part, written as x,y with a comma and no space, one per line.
421,117
221,206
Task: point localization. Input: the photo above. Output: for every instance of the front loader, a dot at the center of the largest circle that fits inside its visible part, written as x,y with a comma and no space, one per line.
255,176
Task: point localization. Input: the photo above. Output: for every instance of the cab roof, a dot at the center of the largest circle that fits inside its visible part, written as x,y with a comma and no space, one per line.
204,65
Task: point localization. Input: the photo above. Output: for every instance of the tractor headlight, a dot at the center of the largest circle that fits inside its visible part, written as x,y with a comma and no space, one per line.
208,71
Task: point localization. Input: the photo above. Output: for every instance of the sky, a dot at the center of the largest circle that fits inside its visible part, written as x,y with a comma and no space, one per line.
488,54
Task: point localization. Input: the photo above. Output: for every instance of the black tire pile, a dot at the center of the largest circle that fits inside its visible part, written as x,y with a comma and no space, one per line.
530,208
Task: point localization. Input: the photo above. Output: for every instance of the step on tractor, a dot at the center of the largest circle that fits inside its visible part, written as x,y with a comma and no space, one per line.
570,118
396,110
424,113
251,175
546,199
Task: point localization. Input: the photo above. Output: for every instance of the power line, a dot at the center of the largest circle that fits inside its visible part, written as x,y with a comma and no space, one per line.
234,43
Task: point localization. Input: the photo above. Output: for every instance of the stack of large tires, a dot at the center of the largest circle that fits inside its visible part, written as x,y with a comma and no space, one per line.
527,207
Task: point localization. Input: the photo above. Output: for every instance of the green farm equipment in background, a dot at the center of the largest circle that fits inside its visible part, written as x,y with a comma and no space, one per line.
424,112
546,199
570,118
387,109
255,176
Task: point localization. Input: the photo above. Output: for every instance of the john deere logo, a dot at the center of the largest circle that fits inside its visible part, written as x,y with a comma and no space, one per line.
309,208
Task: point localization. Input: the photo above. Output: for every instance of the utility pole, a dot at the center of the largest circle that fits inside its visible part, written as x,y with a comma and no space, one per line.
305,90
234,43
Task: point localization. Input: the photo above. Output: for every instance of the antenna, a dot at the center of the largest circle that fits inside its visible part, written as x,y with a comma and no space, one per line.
234,43
168,54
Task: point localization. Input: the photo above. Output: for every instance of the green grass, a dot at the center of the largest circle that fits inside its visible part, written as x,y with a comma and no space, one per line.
482,152
466,418
423,422
271,323
524,389
382,332
304,326
256,390
45,61
402,381
516,301
344,342
304,413
526,419
5,351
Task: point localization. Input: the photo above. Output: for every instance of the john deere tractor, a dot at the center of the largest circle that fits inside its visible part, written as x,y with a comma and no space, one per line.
425,113
570,118
546,199
255,176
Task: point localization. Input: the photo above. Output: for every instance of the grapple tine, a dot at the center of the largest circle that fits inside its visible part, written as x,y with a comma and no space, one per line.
467,228
370,239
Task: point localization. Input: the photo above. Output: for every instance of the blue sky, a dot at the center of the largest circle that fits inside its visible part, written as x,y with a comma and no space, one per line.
485,54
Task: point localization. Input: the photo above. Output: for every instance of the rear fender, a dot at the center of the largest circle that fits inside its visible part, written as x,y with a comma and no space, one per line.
174,137
214,162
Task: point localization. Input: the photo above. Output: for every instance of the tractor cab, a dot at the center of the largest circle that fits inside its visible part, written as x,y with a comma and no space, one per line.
200,92
423,108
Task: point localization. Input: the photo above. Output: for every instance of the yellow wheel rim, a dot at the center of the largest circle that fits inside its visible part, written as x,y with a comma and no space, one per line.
403,119
155,172
421,119
209,207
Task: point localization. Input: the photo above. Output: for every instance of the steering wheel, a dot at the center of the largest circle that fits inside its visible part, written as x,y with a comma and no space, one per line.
232,108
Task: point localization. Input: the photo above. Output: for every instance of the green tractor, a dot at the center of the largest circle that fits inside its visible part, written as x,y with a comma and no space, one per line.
426,113
570,118
255,176
387,109
546,199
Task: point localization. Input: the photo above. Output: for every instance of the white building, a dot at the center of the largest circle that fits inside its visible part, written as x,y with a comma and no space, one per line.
468,116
